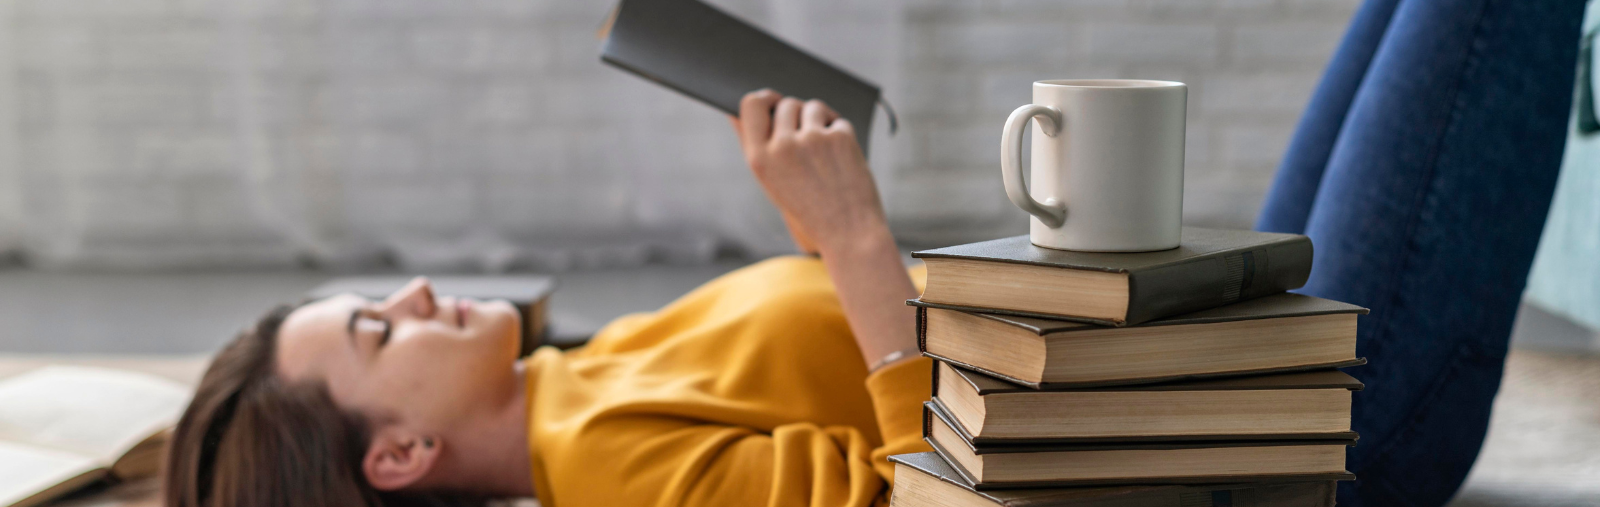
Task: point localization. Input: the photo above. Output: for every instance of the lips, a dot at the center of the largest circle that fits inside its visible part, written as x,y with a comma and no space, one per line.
462,307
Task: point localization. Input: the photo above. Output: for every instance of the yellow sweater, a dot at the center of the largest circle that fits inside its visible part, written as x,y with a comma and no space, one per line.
747,391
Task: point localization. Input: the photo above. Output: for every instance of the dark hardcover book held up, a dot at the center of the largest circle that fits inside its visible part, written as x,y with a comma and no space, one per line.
1210,268
925,480
1274,334
1091,464
707,54
530,294
1293,406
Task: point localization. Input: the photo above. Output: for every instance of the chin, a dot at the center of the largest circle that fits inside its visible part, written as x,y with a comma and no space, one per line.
505,326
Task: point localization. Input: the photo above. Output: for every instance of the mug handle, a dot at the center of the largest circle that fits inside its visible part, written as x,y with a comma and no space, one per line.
1052,213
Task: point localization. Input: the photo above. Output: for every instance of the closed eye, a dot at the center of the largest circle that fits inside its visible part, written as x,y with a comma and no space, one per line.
366,324
388,327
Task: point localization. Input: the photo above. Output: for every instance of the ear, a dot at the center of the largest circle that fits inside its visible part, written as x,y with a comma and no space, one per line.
397,458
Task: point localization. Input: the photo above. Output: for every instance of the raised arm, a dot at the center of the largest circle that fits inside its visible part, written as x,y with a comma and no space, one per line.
807,160
764,448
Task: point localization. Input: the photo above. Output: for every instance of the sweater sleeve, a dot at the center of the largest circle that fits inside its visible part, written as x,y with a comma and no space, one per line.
747,391
898,391
652,459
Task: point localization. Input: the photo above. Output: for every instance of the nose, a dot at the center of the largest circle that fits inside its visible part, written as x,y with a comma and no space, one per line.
415,299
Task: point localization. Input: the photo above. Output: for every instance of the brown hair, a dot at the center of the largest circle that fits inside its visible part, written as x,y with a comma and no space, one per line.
251,439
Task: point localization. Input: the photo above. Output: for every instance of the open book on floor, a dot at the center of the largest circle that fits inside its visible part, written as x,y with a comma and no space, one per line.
1087,464
925,480
1290,406
62,428
1278,333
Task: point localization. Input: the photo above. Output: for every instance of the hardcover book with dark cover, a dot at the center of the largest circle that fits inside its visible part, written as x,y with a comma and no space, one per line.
925,479
1087,464
707,54
1210,268
1279,333
1292,406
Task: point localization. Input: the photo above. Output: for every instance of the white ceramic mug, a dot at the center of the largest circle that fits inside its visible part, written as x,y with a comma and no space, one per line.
1107,164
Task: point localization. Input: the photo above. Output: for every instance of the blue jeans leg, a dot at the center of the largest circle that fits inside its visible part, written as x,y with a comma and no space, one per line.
1425,201
1289,200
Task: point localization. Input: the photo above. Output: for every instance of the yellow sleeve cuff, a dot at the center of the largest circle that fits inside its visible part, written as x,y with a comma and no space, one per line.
898,391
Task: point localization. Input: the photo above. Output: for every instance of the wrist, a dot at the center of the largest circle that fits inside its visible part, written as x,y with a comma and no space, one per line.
872,239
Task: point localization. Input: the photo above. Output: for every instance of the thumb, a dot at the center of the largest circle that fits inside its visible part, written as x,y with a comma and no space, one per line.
739,132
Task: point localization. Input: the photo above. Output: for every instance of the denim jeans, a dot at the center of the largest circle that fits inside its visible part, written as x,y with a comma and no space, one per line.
1422,171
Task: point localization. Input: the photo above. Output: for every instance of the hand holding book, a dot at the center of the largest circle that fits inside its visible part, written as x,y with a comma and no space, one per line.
807,160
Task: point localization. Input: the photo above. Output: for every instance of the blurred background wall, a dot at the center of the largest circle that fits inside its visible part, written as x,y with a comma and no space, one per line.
485,135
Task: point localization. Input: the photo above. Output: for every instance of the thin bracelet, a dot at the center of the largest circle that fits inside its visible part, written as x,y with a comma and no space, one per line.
893,357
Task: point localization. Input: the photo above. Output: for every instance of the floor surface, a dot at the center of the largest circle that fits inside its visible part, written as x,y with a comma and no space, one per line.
1543,448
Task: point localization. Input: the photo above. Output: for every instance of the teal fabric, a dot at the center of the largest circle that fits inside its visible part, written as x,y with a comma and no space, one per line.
1566,270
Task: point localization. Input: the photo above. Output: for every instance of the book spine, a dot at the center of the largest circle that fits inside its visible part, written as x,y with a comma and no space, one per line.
922,329
1217,280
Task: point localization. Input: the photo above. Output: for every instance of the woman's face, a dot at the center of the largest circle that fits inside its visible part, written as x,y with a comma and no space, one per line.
413,359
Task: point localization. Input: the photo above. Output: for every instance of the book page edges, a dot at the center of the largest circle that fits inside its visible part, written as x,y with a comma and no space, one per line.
33,474
1069,294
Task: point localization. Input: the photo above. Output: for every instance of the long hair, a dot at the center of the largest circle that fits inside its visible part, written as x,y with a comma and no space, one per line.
251,439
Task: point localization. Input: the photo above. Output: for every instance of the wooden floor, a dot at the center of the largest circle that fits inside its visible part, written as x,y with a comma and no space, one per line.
1543,448
1544,437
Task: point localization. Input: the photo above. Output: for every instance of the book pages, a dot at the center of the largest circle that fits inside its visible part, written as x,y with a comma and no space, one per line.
94,412
27,470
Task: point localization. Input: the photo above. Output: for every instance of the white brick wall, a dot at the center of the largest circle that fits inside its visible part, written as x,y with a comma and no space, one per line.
485,134
11,204
1251,64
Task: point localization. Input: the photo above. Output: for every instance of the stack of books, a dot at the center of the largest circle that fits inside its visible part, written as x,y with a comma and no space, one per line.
1181,377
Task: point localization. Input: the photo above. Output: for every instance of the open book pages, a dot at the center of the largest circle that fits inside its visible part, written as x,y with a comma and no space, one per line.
30,475
61,427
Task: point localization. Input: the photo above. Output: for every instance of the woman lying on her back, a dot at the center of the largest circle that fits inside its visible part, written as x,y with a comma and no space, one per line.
784,383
